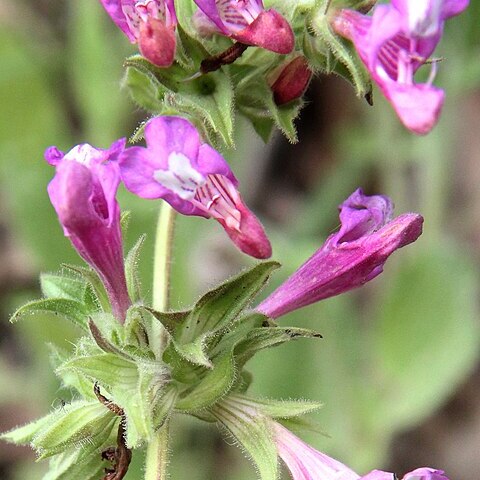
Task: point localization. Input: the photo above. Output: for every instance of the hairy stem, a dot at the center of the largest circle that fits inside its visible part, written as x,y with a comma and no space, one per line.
157,450
162,257
157,455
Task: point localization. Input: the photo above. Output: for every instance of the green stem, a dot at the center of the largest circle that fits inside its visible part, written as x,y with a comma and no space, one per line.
162,257
157,455
157,450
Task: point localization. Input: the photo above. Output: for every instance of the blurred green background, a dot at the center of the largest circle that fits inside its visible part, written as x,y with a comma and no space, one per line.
398,366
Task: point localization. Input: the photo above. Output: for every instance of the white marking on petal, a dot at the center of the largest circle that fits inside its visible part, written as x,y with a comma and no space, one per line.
82,154
424,17
142,11
180,177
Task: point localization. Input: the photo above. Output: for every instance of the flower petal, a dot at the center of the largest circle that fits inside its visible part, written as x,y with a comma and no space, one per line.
114,9
454,7
166,135
418,106
306,463
291,81
269,30
362,215
83,194
157,42
425,473
210,9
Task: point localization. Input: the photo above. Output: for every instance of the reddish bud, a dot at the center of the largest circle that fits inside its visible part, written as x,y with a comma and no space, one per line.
291,81
157,42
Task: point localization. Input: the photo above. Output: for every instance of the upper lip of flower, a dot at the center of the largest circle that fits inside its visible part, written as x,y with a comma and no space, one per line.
248,22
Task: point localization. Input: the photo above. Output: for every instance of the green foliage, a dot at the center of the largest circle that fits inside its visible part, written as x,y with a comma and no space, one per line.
193,367
253,431
206,101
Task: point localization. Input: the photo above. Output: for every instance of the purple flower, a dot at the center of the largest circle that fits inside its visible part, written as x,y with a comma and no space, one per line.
150,23
306,463
290,81
245,21
193,178
393,44
349,258
83,195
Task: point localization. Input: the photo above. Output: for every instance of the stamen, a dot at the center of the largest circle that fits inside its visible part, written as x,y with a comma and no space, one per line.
238,14
433,73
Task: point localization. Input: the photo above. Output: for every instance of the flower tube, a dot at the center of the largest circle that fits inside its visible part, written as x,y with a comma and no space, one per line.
150,23
306,463
83,194
349,258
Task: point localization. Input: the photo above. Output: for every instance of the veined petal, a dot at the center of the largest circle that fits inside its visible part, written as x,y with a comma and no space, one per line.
150,23
394,43
248,22
194,178
221,200
114,9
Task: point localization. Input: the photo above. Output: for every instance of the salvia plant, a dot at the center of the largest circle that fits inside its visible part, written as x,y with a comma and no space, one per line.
138,363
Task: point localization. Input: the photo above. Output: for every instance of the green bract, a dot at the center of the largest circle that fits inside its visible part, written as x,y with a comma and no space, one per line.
135,376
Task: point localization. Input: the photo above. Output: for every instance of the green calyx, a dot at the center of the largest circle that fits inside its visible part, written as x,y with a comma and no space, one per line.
131,383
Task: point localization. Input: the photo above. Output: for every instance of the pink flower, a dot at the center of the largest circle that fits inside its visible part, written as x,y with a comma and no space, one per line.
245,21
194,178
306,463
349,258
393,44
150,23
83,194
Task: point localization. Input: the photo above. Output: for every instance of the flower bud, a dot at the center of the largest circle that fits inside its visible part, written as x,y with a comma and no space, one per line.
290,81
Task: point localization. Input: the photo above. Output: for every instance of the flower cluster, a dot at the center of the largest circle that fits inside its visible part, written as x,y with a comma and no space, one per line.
151,364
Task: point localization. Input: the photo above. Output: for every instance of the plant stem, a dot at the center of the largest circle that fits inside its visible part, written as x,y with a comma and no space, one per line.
162,257
157,455
157,450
